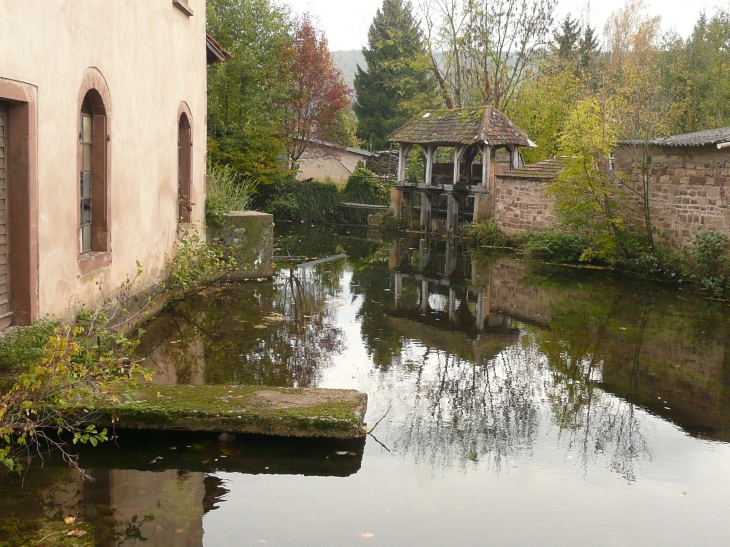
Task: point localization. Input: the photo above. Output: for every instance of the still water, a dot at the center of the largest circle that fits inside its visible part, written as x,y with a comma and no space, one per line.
510,404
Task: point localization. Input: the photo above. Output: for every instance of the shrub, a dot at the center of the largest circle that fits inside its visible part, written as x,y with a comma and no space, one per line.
556,246
364,186
709,254
24,345
227,191
304,201
485,233
196,264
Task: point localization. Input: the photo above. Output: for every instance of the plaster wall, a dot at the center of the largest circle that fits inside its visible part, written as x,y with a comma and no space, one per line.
152,57
320,162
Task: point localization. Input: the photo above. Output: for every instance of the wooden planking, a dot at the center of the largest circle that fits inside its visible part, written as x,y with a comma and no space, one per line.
6,317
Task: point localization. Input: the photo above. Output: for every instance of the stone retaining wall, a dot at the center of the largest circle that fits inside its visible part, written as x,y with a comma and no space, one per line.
520,204
689,188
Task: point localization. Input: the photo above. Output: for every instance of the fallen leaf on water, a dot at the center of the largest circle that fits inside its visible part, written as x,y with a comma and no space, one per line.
69,520
157,458
175,341
76,533
366,534
259,326
178,530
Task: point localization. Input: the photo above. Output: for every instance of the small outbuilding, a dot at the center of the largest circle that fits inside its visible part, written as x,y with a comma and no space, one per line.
460,189
323,160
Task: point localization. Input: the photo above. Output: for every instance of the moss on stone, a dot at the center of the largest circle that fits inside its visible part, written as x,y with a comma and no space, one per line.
298,412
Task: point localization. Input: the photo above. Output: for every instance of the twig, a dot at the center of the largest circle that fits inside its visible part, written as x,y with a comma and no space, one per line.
380,420
377,441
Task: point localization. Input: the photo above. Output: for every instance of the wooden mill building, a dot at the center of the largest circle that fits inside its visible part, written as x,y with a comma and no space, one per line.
462,188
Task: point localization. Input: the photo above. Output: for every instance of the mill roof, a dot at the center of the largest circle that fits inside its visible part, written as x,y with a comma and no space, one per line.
461,126
698,138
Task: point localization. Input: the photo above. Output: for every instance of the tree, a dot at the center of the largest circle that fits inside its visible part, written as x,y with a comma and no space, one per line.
396,83
246,96
318,99
586,196
567,38
490,47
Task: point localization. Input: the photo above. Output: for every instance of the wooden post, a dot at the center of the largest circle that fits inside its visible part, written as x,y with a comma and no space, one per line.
424,254
398,290
424,297
403,161
514,157
429,150
452,305
425,212
486,164
458,154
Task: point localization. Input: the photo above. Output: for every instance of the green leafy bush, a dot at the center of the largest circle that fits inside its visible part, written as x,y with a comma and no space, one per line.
485,233
305,201
363,186
227,191
709,254
556,246
24,345
196,264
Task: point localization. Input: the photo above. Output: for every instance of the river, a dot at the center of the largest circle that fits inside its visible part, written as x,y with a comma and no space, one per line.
510,404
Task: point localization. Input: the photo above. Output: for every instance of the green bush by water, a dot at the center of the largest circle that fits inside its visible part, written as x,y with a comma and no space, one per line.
227,191
556,246
320,202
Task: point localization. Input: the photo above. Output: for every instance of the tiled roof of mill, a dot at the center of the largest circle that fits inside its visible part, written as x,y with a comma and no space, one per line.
461,126
545,169
698,138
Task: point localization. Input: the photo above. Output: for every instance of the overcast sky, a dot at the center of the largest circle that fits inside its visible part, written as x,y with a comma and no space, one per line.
346,22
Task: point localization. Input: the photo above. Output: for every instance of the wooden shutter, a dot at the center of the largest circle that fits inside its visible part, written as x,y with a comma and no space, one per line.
6,316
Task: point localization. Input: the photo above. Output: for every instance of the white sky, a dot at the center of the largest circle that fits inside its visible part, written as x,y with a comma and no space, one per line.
346,23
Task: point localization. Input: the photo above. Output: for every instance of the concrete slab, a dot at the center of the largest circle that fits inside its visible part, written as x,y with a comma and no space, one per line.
287,412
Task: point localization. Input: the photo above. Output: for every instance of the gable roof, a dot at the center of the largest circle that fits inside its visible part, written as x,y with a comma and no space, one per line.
340,147
214,51
698,138
461,126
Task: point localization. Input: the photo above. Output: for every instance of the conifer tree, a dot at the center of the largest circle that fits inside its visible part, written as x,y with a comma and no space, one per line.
396,83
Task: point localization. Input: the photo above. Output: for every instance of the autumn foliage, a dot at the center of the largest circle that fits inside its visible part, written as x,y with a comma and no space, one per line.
319,99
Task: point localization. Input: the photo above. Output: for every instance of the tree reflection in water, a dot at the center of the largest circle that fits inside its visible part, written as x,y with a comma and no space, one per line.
483,391
279,333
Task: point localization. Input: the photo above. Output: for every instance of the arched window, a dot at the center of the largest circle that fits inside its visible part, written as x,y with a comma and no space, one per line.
93,232
184,159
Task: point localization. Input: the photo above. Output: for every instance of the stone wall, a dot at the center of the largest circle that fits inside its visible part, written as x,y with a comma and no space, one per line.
689,188
520,204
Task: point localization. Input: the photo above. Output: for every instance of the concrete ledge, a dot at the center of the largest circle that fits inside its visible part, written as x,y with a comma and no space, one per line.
288,412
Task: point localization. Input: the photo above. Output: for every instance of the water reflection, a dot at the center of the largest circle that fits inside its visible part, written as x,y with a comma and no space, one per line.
489,374
279,333
157,487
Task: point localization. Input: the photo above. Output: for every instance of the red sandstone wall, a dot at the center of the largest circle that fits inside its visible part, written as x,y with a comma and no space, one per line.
689,189
520,204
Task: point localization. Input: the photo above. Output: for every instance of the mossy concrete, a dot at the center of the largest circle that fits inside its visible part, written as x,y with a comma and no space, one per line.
289,412
248,236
